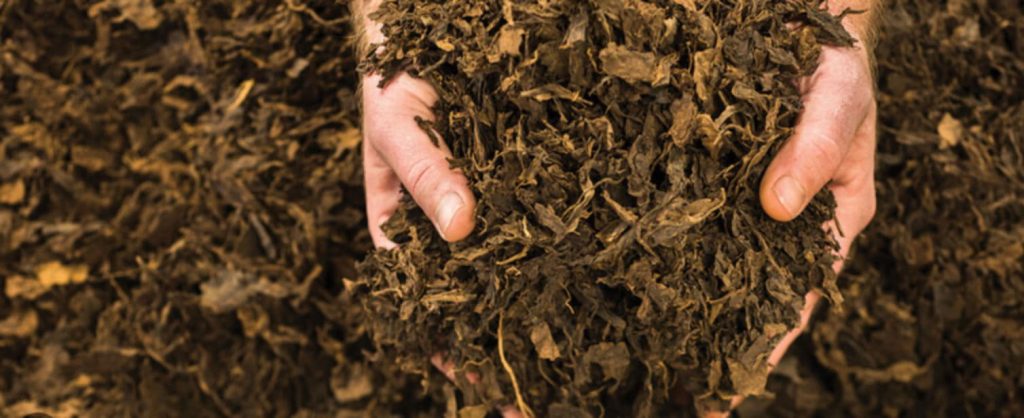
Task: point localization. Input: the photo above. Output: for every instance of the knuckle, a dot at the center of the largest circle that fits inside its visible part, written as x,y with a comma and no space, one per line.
824,148
421,174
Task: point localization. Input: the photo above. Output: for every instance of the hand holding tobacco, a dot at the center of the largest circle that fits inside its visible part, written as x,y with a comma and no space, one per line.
398,153
832,145
834,140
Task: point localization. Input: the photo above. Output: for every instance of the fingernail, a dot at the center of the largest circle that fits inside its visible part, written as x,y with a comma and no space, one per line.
386,243
791,194
446,210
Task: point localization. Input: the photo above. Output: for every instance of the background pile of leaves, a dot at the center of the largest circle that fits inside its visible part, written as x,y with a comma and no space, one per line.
179,200
173,238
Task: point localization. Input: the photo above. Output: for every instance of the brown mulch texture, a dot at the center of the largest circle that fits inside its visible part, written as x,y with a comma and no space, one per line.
181,219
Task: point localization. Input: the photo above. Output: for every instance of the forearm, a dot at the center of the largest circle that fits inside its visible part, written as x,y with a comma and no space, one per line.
367,31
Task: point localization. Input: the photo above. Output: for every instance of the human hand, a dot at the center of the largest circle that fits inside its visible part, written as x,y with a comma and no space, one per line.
397,152
833,145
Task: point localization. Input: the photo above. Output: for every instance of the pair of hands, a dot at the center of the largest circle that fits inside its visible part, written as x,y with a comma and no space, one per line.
833,145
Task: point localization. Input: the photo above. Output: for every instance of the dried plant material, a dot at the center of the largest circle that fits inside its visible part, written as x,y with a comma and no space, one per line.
12,193
143,158
508,42
54,273
543,342
478,411
951,131
18,286
19,324
635,67
615,149
67,409
352,386
140,12
227,291
180,202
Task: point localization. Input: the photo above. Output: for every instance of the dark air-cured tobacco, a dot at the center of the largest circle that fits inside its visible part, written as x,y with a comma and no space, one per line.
932,319
179,201
615,148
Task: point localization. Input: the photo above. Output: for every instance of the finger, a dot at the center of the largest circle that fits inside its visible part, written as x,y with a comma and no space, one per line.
855,206
509,411
810,301
447,367
383,195
368,28
835,106
422,167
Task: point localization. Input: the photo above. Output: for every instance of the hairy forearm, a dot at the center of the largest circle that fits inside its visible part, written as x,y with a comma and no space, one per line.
367,31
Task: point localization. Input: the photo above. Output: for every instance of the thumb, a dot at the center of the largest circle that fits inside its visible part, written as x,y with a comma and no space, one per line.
804,165
441,192
812,156
420,165
836,104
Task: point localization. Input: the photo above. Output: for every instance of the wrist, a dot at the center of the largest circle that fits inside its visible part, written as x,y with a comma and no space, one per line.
368,32
859,21
862,25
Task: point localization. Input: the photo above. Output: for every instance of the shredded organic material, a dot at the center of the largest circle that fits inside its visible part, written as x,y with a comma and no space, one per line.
615,149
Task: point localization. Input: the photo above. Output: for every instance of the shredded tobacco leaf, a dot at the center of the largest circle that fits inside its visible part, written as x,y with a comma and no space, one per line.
615,149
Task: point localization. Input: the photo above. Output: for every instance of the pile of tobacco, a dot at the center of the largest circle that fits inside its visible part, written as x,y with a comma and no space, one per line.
616,151
179,202
181,223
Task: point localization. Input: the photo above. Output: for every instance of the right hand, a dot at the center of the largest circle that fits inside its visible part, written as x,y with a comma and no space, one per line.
397,153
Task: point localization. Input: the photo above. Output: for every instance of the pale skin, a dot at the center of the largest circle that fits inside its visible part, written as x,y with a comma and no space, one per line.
833,146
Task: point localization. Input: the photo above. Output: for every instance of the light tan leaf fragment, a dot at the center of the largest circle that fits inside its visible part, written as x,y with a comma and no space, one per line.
634,66
12,193
749,380
23,287
951,131
543,342
140,12
55,273
19,324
